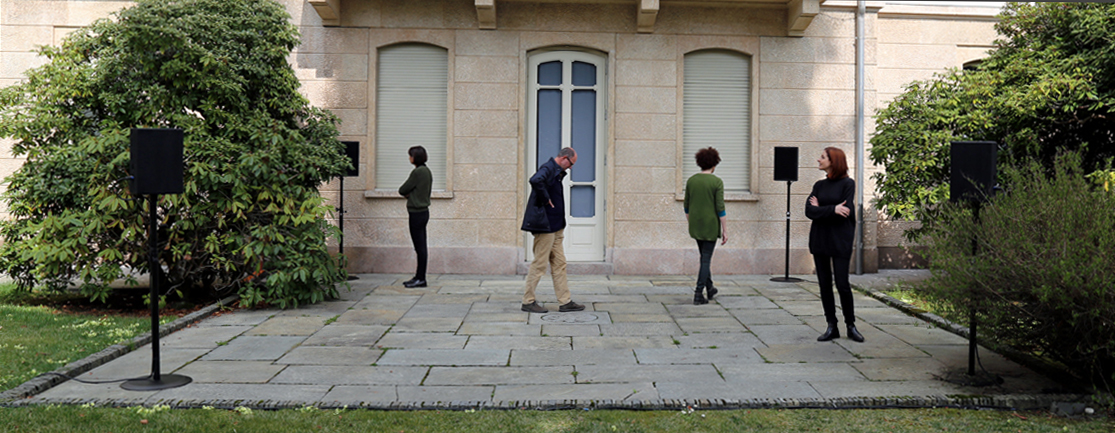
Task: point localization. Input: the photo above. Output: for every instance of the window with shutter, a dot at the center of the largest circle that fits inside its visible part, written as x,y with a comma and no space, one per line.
411,106
717,113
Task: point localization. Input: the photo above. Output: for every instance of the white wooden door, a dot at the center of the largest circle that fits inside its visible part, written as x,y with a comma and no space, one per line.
566,104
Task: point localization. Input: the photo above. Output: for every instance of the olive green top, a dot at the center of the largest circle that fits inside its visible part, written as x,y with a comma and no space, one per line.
417,189
704,203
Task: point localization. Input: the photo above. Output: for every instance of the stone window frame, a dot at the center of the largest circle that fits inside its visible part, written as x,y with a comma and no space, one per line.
386,38
747,46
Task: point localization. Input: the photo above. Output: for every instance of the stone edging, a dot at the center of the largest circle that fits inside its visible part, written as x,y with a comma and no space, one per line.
1003,402
44,382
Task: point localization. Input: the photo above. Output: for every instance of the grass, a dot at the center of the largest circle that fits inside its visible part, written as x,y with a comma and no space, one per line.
39,333
160,419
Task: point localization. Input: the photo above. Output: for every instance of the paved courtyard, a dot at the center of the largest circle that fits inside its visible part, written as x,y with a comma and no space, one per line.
639,341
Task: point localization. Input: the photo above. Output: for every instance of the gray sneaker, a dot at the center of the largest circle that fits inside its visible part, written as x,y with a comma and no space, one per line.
533,307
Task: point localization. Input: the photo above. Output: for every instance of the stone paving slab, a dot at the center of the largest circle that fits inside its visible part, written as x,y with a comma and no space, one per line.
590,391
640,341
208,337
499,375
254,348
818,372
519,343
737,391
572,357
325,355
350,375
230,371
424,357
346,335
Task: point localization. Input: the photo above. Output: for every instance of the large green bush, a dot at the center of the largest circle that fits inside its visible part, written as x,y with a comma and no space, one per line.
1043,277
1048,86
251,218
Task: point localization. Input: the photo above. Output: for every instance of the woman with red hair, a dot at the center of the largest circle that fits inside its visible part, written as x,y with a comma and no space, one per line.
830,206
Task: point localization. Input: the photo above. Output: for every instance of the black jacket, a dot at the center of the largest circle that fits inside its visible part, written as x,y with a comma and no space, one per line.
545,187
832,234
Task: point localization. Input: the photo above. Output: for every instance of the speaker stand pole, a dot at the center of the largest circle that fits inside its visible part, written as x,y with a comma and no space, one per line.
787,278
341,222
972,307
155,381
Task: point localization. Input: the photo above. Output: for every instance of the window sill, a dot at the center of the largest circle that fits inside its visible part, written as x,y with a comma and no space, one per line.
395,194
729,196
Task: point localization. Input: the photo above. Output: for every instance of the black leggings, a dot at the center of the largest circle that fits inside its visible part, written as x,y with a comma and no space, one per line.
704,275
827,268
418,222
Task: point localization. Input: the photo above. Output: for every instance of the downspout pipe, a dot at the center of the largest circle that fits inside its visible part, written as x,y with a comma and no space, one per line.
860,169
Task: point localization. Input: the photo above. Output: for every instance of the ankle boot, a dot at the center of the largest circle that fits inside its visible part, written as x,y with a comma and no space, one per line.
830,333
699,297
854,334
711,291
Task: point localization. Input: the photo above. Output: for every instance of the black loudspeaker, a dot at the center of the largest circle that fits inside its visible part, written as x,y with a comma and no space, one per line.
786,164
973,170
352,152
156,161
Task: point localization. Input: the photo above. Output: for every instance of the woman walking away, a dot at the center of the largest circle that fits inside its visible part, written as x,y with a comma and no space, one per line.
704,209
417,191
830,206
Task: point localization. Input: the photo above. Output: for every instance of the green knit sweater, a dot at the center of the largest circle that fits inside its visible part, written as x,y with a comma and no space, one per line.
417,189
704,203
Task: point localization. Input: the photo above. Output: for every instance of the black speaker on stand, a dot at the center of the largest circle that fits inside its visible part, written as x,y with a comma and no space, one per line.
352,153
972,180
786,169
156,168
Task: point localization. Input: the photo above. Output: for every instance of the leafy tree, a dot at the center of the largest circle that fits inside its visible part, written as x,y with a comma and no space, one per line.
1047,87
251,218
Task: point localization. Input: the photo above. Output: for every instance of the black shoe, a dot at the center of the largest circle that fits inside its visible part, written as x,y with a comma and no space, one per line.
410,281
830,333
415,283
699,298
570,306
711,292
854,334
533,307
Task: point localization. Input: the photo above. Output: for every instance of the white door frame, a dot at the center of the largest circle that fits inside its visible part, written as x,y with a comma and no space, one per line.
584,236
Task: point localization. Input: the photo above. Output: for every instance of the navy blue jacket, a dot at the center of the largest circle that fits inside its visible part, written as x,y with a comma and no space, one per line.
545,187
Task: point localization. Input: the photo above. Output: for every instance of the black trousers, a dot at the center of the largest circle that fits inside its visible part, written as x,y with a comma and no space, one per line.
418,222
829,267
704,276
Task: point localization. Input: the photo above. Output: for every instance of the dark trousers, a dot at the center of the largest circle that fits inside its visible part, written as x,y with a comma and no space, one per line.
704,276
418,222
827,268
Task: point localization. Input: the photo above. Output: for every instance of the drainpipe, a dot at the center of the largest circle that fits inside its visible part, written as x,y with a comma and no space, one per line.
860,42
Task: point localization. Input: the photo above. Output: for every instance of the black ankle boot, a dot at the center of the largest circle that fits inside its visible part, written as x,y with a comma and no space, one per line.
699,297
830,333
854,334
711,292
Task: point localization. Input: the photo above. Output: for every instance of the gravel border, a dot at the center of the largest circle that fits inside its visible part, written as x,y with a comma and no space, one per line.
45,381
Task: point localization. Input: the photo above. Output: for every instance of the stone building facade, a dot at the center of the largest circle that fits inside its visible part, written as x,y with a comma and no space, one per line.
492,88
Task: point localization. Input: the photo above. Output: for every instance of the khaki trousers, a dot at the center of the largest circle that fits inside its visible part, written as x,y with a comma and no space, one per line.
547,248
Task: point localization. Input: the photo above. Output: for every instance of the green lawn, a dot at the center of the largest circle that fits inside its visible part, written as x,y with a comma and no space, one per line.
91,420
35,339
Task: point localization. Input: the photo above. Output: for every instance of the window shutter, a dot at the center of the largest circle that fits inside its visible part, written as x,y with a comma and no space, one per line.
717,111
411,106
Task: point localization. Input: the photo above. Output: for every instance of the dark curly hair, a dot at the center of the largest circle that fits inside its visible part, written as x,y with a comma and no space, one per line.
707,158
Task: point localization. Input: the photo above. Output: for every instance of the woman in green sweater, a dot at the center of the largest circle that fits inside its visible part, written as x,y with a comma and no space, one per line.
704,209
417,191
